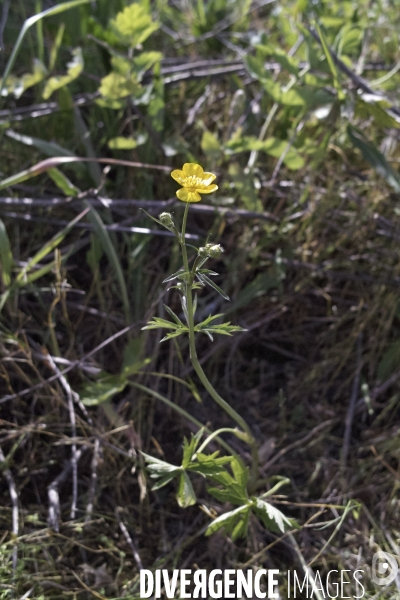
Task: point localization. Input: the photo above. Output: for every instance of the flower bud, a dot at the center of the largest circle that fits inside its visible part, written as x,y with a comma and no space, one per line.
166,219
211,251
215,250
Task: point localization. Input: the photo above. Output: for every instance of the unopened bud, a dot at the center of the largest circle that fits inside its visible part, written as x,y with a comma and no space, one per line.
215,251
166,219
211,251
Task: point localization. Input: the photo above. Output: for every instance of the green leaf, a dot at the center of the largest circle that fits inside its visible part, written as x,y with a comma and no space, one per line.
143,62
94,254
234,488
115,86
6,258
158,323
63,183
175,334
159,468
107,385
229,521
210,145
273,146
56,46
241,473
133,361
255,67
280,56
209,465
46,249
273,519
124,143
331,63
105,388
204,279
133,25
189,448
389,362
109,249
74,69
48,148
54,10
374,157
371,105
178,274
185,495
163,481
30,79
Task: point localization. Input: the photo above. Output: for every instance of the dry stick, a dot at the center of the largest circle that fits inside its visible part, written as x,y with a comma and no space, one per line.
54,496
90,226
93,480
72,419
352,405
73,364
300,442
129,539
158,205
14,504
77,363
306,568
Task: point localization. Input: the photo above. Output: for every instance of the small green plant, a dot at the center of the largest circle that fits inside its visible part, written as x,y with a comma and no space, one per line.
237,485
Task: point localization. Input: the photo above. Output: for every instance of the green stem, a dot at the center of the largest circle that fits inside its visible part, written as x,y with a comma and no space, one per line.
182,412
217,433
198,368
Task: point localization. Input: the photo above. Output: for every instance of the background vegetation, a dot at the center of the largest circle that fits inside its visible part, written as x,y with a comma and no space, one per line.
293,106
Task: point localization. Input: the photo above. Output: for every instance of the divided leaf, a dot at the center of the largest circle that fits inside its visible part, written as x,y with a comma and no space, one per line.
234,522
185,495
273,519
133,25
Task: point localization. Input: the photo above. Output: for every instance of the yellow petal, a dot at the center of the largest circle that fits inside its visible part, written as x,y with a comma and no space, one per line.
190,169
178,176
208,178
206,189
187,196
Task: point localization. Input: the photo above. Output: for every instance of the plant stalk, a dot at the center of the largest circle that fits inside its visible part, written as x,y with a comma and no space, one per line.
198,368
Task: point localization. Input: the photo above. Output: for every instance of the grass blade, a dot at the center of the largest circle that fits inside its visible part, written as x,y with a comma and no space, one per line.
54,10
6,258
109,249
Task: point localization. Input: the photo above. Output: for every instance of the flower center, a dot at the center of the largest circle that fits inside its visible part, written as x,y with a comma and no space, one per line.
192,182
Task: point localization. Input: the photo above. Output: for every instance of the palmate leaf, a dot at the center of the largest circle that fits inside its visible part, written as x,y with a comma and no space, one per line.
159,468
163,481
74,69
209,328
133,25
209,465
234,522
273,519
185,495
234,489
189,447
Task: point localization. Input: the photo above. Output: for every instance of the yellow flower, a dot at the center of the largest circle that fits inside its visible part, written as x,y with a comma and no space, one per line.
194,182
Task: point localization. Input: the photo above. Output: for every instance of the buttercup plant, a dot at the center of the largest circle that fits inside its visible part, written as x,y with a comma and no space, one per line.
234,487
